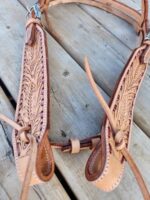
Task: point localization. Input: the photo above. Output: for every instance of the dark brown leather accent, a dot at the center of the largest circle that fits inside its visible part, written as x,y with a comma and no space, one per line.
45,160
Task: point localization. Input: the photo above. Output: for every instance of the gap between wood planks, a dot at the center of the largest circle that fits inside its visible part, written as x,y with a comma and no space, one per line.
57,171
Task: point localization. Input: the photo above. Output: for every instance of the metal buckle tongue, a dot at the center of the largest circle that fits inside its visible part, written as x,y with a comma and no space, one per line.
36,9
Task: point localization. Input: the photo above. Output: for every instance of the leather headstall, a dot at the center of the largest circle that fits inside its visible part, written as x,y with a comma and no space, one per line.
110,148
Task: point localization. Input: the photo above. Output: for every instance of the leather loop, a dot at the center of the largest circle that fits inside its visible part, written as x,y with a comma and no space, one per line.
75,146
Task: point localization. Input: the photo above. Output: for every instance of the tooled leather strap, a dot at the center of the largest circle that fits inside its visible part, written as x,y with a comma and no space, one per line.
119,140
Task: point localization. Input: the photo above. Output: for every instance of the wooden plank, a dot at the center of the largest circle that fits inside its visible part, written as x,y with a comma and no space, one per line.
121,29
75,112
107,54
118,27
10,186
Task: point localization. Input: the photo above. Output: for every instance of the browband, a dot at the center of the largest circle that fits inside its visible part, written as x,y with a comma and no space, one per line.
32,148
139,21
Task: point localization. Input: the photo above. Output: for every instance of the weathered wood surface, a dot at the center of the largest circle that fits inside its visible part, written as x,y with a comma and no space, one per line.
10,186
74,108
107,54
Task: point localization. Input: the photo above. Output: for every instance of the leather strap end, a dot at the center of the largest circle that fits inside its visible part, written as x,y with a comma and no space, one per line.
30,34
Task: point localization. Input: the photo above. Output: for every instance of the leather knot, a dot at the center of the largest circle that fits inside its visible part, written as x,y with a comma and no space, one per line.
32,21
24,137
119,140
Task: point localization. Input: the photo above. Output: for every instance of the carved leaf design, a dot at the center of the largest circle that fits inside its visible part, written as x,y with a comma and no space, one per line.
127,90
33,99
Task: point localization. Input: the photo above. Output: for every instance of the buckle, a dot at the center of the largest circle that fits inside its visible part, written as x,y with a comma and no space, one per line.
36,9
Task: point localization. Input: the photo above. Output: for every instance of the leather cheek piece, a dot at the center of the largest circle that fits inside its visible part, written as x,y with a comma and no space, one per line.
45,160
